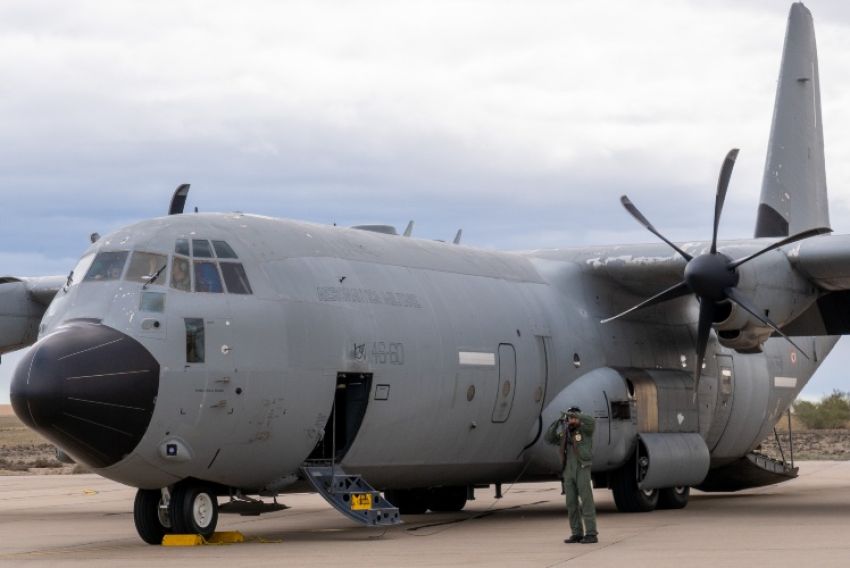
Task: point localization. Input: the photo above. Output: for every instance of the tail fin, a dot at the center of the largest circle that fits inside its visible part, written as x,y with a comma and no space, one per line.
793,191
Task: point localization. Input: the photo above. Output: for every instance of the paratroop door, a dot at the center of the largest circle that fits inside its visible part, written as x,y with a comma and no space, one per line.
507,383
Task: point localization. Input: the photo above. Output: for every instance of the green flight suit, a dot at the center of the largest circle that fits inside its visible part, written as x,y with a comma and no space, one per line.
576,451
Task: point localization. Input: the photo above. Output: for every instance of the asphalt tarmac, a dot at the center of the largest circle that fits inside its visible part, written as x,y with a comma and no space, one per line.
84,520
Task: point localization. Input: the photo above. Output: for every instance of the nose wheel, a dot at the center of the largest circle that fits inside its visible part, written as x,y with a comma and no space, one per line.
151,516
193,509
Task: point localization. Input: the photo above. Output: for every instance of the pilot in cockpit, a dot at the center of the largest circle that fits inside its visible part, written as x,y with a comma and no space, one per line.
180,274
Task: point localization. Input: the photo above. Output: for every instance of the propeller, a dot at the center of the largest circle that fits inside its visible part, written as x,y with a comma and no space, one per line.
712,276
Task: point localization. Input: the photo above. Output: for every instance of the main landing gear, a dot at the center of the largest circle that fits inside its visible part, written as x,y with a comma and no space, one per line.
629,498
437,499
189,508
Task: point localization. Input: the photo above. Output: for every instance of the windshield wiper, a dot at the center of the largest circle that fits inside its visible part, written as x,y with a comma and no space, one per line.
154,276
69,281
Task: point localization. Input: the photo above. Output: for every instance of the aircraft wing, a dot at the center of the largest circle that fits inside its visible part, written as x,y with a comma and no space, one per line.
22,305
644,270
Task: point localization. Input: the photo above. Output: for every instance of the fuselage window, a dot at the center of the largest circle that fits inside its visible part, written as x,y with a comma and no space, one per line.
235,278
207,278
223,250
107,266
194,340
146,267
182,247
152,302
201,248
180,275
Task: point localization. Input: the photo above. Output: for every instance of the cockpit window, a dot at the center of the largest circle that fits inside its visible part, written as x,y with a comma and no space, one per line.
107,266
235,278
180,277
207,278
182,247
201,248
223,250
209,268
80,270
145,266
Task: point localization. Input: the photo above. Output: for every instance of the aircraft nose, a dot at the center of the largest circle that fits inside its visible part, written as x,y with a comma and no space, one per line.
88,388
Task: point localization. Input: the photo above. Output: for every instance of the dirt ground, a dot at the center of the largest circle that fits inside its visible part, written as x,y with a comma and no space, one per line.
22,451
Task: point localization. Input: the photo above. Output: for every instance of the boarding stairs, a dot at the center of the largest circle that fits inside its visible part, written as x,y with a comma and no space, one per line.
351,495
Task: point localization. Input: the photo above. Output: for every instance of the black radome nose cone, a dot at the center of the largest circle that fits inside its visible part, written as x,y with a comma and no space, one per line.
89,389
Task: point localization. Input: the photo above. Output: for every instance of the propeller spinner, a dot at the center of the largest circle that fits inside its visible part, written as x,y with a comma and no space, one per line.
712,277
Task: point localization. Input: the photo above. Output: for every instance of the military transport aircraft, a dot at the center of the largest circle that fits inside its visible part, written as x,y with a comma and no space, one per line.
201,357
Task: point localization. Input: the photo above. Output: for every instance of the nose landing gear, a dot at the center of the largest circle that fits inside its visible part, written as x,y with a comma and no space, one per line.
192,508
151,515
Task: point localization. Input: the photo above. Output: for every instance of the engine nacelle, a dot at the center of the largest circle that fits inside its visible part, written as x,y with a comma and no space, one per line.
604,394
22,304
19,317
654,406
771,285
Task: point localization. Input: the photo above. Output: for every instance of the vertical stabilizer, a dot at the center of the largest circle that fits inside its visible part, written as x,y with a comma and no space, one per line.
793,191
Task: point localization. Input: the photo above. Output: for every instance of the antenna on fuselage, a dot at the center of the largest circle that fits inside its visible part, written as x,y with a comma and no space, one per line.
409,230
178,200
457,237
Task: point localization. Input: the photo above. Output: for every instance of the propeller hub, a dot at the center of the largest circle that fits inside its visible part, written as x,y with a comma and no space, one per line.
709,275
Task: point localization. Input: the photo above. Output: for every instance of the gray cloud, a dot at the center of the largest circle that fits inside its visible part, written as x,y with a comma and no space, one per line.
520,123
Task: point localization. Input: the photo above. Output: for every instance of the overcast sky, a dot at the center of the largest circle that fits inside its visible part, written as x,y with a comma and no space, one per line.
521,122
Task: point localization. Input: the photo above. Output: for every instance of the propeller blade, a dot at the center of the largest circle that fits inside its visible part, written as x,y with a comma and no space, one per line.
734,296
670,293
722,186
781,243
706,316
630,207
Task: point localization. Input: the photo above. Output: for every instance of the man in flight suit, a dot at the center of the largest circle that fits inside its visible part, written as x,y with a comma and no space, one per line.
573,433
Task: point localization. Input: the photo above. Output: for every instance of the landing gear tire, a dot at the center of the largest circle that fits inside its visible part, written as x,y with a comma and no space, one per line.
628,497
447,499
152,521
408,501
193,510
673,497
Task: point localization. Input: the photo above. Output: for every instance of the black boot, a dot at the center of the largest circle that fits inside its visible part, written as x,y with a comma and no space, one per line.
574,539
590,539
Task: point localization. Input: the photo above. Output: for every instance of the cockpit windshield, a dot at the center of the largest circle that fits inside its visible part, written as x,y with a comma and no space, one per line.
107,266
145,265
